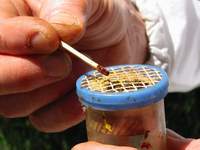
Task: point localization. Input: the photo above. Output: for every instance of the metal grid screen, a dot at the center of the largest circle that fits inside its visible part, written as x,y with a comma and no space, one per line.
122,79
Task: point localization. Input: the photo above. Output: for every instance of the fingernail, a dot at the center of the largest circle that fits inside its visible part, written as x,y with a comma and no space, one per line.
57,64
37,41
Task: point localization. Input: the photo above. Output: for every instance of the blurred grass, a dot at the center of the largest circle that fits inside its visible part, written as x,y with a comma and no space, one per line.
182,115
18,134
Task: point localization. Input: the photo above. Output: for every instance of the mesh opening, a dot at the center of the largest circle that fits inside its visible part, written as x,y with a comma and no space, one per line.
122,79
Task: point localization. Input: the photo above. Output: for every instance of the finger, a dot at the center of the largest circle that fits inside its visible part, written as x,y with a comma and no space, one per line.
70,19
66,16
110,15
58,116
23,74
23,104
35,6
194,145
27,35
177,144
13,8
98,146
176,141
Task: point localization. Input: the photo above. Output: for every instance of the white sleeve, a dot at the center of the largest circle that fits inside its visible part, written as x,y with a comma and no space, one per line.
160,45
173,29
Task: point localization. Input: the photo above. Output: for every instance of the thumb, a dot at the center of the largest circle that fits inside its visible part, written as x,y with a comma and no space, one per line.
98,146
106,21
66,16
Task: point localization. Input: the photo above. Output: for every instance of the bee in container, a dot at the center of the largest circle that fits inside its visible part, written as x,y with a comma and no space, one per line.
125,108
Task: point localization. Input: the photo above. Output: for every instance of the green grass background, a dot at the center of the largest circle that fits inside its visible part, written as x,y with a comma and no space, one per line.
182,115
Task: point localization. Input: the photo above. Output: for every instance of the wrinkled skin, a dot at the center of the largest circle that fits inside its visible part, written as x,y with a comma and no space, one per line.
37,77
174,142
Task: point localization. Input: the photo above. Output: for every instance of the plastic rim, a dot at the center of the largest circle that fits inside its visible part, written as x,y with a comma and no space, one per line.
121,101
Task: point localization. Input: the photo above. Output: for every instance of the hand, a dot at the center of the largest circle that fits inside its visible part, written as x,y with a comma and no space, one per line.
37,77
177,142
98,146
174,142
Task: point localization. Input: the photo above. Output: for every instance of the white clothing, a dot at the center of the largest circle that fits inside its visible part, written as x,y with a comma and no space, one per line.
173,28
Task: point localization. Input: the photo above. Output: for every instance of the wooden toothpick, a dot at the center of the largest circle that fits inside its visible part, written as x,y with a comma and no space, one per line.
84,58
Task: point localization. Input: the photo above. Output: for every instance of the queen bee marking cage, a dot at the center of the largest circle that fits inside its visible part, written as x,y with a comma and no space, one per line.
122,79
126,107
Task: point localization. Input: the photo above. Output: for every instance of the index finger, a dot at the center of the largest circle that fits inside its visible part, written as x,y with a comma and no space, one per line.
27,35
20,34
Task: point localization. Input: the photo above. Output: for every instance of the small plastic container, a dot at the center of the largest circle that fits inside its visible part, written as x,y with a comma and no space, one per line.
125,108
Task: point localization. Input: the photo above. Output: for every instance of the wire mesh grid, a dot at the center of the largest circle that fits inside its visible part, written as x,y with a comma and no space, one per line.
122,79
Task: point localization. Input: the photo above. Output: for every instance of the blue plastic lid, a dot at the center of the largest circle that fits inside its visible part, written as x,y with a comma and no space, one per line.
127,86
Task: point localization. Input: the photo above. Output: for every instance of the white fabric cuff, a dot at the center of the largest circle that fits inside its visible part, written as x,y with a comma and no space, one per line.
160,45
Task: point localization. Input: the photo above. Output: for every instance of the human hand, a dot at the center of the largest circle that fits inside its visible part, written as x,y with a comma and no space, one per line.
177,142
91,145
174,142
36,76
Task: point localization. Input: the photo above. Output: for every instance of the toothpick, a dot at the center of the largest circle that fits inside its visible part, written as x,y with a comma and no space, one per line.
84,58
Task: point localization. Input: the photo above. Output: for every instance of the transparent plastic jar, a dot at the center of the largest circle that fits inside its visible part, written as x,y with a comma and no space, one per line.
127,107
